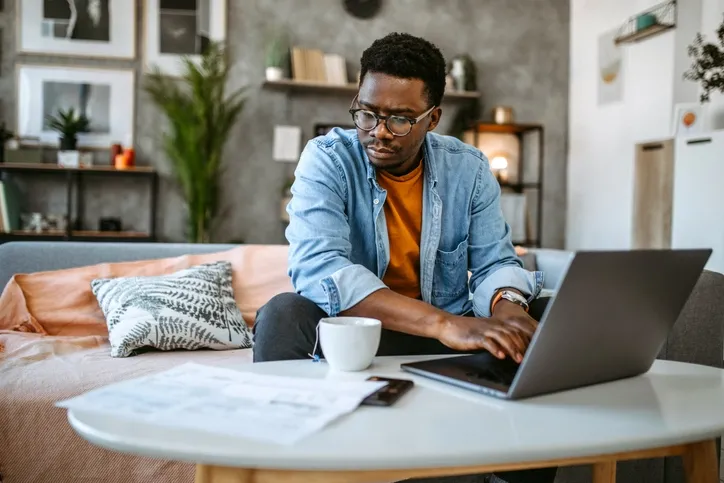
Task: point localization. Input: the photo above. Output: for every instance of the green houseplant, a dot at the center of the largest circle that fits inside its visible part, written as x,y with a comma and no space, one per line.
201,115
277,51
707,67
68,123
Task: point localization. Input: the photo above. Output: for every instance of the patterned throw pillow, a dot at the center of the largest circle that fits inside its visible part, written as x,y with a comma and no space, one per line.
191,309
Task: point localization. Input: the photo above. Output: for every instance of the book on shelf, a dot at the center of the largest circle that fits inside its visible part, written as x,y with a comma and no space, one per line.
9,207
314,65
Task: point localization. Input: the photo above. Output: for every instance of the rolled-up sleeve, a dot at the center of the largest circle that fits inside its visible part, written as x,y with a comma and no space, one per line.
318,235
493,262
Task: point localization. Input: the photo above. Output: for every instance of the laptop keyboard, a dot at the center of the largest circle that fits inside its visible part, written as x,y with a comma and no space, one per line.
487,367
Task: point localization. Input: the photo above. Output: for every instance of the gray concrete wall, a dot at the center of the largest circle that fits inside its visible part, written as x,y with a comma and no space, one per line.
520,48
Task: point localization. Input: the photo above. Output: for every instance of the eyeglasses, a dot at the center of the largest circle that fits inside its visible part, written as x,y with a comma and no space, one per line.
397,125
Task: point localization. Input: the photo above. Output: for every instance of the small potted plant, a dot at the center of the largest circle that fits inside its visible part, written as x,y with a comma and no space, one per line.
277,51
5,136
68,124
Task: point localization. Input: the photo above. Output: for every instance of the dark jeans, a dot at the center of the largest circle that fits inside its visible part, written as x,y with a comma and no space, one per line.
285,329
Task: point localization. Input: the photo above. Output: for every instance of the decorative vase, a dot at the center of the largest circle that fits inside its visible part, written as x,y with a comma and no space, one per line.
458,73
274,73
68,143
645,21
502,115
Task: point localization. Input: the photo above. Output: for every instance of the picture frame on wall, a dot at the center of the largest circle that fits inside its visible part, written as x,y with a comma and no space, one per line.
106,96
80,28
177,28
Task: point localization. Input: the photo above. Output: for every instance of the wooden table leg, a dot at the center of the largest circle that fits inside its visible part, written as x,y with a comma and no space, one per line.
604,472
220,474
700,462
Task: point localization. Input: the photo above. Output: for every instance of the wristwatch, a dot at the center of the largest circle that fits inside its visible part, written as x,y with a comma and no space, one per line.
511,296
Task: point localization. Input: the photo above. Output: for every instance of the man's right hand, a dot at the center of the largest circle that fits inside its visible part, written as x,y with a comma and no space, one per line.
501,339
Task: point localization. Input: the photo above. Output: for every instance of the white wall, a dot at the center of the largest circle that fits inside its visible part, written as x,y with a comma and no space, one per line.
602,138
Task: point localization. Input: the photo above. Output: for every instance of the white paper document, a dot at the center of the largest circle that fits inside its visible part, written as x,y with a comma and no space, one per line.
267,408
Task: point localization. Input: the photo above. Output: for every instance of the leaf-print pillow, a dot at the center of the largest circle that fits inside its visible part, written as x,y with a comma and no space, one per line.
191,309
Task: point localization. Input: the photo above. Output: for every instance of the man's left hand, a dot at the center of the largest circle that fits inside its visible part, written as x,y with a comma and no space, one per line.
513,315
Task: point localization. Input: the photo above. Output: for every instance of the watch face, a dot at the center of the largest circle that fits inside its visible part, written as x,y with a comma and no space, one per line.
362,8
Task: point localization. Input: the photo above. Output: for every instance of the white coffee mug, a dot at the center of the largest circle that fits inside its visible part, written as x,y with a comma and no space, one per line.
349,343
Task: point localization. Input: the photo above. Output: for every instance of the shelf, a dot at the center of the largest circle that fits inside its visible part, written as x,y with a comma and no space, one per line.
506,128
644,33
76,235
54,168
289,85
654,21
519,186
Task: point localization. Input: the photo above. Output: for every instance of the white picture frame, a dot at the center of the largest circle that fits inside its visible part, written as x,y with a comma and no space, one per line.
41,89
688,118
117,20
213,13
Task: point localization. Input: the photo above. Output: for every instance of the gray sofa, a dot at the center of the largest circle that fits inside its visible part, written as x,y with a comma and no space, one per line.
698,336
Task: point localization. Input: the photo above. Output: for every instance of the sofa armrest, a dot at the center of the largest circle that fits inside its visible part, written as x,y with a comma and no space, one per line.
698,335
553,263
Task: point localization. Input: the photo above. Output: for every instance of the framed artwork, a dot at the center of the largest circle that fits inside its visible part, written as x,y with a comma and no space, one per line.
688,119
85,28
177,28
105,96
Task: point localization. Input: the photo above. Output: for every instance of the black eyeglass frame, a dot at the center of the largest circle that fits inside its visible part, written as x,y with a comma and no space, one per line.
378,118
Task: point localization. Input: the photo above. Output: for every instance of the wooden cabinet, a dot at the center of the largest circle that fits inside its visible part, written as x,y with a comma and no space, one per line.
679,195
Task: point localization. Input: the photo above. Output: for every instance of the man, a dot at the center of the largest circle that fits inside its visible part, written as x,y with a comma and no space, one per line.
387,222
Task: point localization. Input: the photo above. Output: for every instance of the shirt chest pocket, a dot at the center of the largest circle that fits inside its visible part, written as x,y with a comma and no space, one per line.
450,278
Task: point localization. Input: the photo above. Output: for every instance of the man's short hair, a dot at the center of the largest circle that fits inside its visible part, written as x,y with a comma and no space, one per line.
408,57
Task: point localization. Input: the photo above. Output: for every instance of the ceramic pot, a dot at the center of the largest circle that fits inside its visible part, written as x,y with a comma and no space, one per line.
274,73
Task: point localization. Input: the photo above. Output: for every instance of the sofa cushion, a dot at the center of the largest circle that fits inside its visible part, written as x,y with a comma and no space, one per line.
191,309
36,442
61,302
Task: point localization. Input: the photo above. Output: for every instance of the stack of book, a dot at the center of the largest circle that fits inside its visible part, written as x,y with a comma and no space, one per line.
313,65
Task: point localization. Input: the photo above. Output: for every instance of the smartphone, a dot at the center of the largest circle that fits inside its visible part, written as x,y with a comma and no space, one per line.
388,394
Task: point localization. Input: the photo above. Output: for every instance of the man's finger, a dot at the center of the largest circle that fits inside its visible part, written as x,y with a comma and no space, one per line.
518,339
491,346
505,342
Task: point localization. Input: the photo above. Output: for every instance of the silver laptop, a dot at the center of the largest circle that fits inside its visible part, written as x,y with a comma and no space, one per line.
609,320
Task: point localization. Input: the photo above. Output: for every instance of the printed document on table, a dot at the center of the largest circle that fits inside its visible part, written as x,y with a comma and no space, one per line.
274,409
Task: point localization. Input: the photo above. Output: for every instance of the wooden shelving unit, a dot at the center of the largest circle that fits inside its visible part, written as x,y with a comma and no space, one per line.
31,167
74,179
521,186
289,85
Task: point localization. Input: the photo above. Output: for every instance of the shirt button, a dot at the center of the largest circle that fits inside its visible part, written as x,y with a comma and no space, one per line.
377,202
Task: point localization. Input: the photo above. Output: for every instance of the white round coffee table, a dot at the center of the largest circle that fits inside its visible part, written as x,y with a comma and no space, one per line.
437,429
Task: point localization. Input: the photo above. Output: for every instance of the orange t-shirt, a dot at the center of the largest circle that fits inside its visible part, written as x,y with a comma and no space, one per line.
403,212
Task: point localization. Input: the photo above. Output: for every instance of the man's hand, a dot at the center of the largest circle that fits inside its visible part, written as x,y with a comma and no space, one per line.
498,337
507,333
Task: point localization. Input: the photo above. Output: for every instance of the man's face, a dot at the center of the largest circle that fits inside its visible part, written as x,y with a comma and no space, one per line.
386,96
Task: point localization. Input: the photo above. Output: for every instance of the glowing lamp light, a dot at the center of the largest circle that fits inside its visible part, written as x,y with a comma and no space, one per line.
499,162
499,165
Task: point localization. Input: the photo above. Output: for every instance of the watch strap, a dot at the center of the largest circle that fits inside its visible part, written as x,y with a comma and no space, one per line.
510,296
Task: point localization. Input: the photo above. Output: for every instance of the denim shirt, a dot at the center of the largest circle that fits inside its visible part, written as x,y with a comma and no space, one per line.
339,246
